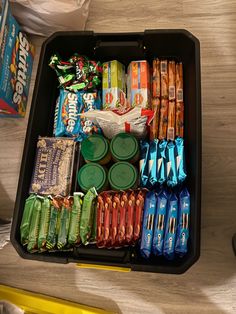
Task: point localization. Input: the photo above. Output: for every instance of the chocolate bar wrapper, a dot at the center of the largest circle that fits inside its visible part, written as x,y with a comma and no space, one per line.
100,221
160,221
130,218
114,218
73,234
26,219
53,223
163,119
171,171
179,120
148,224
164,79
156,79
181,247
161,161
44,223
53,166
156,95
171,226
180,159
171,121
107,219
152,162
122,219
138,214
143,163
64,223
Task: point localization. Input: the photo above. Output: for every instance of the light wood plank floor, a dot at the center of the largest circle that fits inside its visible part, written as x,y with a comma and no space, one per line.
210,285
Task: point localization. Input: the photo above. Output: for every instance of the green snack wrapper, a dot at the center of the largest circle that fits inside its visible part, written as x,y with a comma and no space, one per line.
34,225
44,224
87,215
25,223
53,223
64,223
74,234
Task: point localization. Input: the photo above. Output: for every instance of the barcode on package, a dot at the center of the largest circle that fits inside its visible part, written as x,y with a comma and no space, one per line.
171,134
180,95
163,67
171,92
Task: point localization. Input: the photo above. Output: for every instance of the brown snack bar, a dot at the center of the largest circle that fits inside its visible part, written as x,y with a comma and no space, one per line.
114,223
139,205
53,166
164,100
130,218
156,94
171,120
123,209
107,219
100,221
179,121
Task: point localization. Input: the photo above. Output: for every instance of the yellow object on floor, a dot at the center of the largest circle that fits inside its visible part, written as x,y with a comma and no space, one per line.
35,303
104,267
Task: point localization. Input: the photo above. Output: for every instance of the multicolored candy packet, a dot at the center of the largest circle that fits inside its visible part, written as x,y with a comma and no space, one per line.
171,171
148,224
180,159
152,162
181,247
160,221
44,223
26,219
171,227
86,221
73,233
161,160
143,163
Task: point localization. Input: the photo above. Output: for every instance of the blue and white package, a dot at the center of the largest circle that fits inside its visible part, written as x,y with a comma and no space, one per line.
180,159
69,120
181,246
160,221
148,224
152,162
171,226
143,163
171,172
161,160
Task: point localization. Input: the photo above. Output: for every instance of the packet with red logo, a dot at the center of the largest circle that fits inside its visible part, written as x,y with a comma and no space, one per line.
138,84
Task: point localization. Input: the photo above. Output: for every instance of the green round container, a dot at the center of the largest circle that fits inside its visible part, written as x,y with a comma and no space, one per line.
122,176
95,148
92,175
125,147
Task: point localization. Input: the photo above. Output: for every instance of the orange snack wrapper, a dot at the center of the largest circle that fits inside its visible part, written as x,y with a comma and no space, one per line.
156,94
171,106
179,119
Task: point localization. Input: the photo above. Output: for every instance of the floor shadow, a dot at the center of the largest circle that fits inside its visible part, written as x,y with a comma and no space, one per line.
6,204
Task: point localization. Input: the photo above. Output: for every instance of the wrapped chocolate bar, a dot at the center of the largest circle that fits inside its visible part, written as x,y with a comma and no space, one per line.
107,219
64,223
153,162
180,159
156,96
87,215
148,224
164,100
181,247
179,120
54,222
171,171
171,226
171,106
114,218
160,220
143,163
74,234
130,218
138,214
122,219
44,223
53,166
100,221
26,219
161,162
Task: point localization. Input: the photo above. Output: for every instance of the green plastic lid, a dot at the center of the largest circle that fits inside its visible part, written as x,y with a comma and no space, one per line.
94,148
122,176
92,175
124,146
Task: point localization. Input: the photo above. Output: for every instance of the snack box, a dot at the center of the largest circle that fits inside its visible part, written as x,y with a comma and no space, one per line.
16,60
178,45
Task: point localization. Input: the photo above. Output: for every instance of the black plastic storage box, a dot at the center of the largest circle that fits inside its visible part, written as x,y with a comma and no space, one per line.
125,47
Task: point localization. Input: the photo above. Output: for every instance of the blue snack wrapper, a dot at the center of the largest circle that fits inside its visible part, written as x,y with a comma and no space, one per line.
161,159
148,224
180,159
160,221
181,246
143,163
69,120
171,226
152,162
171,171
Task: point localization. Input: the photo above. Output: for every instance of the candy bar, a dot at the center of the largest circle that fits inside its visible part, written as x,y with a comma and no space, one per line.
161,160
143,163
114,218
171,171
73,234
44,223
26,219
130,218
152,163
179,101
107,219
53,223
100,221
156,95
122,221
138,215
180,159
64,223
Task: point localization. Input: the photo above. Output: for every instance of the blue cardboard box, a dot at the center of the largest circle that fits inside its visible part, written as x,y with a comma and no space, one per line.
16,61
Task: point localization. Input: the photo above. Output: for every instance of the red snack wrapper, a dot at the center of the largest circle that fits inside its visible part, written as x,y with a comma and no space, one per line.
107,219
130,218
121,229
114,222
139,205
100,221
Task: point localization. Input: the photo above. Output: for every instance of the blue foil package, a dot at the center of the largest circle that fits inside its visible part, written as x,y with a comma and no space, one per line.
160,221
181,246
148,224
180,159
171,171
171,226
69,120
152,162
161,157
143,163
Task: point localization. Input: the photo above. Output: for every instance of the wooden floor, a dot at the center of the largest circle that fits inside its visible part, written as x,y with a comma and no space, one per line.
210,285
